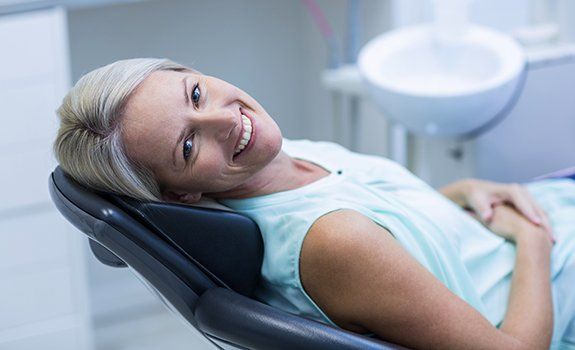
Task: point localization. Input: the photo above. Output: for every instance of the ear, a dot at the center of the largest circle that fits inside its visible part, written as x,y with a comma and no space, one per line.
181,197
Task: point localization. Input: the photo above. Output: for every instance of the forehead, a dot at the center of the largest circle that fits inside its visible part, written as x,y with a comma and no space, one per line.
151,117
158,87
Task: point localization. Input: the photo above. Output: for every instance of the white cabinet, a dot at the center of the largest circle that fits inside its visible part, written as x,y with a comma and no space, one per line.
42,283
31,46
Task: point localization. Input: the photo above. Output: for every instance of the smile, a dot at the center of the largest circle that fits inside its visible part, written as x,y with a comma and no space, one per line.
246,136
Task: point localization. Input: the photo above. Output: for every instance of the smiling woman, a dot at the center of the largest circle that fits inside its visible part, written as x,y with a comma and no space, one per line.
136,127
225,136
352,240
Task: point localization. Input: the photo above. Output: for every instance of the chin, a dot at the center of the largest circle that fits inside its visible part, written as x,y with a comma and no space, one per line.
275,144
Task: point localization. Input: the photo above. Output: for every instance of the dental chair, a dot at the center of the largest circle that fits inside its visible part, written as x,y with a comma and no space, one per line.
203,263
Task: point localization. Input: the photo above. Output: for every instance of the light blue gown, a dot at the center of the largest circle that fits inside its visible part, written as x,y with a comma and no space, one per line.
466,257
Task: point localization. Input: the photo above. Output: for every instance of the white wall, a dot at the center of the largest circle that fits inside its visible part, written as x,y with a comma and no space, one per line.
42,276
566,19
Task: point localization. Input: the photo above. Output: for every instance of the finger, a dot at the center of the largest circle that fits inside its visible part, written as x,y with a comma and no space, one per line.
549,232
546,223
552,237
482,206
523,202
540,217
541,214
549,227
472,213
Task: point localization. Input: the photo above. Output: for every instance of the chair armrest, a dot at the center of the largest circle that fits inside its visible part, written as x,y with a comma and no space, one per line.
239,320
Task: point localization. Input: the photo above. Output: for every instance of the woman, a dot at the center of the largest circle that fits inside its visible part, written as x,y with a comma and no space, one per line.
352,240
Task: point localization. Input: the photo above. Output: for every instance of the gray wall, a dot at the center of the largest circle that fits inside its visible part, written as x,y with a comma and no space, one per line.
256,45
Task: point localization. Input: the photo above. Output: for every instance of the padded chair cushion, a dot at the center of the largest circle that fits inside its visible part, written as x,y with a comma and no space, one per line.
227,246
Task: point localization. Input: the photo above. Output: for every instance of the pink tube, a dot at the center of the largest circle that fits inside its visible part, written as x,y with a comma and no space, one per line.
319,18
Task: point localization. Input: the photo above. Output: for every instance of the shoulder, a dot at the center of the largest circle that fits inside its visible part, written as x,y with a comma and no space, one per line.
342,240
339,238
336,253
342,229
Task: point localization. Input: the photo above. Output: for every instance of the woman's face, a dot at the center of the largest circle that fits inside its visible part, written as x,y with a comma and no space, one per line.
193,131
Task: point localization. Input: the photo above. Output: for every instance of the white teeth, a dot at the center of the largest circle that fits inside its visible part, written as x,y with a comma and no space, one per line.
247,123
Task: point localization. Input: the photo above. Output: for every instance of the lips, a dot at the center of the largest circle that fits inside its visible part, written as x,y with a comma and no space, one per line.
245,136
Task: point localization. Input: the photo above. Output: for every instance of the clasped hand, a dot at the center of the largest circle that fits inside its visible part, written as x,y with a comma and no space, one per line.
481,198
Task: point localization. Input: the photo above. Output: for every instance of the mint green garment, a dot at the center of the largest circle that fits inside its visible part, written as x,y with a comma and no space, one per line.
471,261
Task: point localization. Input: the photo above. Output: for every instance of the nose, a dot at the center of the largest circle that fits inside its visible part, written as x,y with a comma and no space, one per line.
219,122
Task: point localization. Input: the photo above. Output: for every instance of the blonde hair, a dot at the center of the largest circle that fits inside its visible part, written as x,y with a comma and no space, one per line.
89,142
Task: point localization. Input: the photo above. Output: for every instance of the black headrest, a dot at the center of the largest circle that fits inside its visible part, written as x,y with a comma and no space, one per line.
225,246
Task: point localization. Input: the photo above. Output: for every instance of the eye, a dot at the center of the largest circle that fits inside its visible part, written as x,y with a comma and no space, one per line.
187,149
196,94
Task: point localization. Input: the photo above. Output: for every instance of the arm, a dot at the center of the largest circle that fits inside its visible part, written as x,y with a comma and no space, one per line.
365,281
530,309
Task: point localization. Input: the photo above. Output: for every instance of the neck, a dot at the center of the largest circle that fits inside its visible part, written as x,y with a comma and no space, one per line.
282,174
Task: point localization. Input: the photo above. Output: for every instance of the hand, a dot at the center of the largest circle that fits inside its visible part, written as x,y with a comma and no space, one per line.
508,223
482,196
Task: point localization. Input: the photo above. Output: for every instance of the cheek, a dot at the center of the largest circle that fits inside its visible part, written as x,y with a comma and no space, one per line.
271,140
208,171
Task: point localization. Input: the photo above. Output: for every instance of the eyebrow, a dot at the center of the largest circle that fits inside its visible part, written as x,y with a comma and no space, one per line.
178,142
182,134
187,97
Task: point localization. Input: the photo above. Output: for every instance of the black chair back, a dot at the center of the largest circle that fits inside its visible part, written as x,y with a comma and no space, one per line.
201,248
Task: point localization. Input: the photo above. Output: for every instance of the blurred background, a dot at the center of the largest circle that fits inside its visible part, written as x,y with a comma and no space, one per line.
297,59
